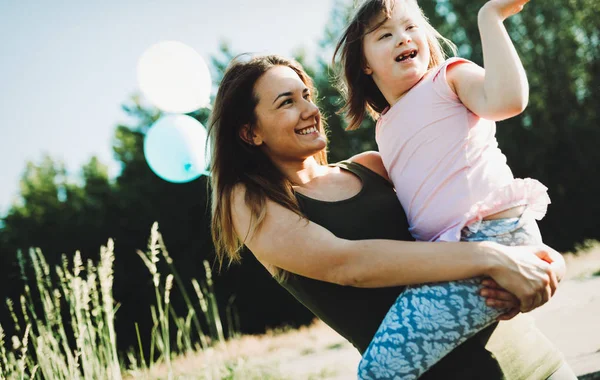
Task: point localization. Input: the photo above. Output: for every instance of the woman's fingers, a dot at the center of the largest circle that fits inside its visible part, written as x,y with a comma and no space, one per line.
499,304
490,283
549,290
509,315
536,301
558,262
528,300
499,295
546,284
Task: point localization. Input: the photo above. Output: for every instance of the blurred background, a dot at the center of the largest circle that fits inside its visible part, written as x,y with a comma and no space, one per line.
72,124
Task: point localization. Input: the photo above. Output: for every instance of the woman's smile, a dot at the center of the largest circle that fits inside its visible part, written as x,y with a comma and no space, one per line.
307,130
285,105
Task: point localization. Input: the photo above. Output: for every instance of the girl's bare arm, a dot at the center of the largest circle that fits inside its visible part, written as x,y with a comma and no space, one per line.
501,90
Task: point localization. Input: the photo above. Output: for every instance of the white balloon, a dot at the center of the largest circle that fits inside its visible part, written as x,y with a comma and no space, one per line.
174,77
175,148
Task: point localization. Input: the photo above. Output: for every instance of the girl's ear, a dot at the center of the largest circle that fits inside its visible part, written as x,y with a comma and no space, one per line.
367,70
248,136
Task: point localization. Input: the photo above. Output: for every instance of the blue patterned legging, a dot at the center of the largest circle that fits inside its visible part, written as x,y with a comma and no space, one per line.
428,321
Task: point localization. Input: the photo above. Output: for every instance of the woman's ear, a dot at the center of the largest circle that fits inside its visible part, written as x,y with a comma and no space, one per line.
248,136
367,70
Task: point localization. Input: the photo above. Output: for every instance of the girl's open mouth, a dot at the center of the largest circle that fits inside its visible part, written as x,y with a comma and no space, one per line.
406,55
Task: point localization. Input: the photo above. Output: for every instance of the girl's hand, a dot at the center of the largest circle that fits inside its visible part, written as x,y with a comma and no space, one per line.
499,298
502,8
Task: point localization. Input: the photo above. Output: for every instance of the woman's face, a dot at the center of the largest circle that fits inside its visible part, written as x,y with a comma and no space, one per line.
288,125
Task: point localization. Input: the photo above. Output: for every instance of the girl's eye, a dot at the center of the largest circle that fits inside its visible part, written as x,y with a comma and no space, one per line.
411,27
385,36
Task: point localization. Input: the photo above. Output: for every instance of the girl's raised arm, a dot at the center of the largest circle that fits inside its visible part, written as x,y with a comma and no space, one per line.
501,91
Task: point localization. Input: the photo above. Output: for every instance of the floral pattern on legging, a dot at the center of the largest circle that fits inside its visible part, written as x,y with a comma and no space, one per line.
428,321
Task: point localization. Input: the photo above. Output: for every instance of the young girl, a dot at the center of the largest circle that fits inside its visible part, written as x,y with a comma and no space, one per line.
436,135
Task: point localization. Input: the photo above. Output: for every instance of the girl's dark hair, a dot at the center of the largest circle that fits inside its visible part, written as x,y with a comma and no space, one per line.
360,92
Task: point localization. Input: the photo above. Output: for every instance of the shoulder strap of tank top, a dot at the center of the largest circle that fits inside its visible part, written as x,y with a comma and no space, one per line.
364,173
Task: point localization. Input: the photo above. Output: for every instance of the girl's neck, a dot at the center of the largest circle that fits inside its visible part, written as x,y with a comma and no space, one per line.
393,97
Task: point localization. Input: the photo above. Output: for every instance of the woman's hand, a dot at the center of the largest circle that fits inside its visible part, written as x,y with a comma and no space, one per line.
527,272
499,298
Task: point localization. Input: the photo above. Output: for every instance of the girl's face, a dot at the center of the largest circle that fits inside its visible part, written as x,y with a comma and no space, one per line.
288,125
397,53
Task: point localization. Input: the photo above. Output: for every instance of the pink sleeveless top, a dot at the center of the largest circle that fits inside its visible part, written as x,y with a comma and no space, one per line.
445,163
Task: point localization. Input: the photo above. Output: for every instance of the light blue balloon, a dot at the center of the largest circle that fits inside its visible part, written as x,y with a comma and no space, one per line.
175,148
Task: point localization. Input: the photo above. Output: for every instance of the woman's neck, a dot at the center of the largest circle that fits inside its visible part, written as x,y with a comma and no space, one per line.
302,172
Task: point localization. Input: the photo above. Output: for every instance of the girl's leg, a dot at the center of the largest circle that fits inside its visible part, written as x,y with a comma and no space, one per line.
425,323
428,321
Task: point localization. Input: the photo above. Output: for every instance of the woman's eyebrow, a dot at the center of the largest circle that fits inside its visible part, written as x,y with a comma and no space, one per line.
288,93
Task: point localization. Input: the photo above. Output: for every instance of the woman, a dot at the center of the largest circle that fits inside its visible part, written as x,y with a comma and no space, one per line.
334,236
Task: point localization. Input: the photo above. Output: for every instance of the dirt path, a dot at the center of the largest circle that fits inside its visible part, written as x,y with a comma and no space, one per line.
571,320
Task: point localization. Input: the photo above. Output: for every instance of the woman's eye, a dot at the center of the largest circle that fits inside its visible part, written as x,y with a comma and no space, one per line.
286,102
307,97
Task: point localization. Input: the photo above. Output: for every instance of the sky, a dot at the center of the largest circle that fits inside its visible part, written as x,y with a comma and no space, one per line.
66,67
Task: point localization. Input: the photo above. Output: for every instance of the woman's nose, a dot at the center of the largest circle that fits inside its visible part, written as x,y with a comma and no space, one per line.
310,110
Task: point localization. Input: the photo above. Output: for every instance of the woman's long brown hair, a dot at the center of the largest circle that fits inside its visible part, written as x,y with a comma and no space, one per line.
235,162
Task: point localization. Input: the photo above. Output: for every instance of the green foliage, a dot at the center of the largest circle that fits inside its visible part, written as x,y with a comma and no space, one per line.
86,346
554,141
51,206
70,333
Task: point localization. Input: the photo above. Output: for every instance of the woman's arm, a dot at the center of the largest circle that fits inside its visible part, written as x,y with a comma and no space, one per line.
297,245
501,90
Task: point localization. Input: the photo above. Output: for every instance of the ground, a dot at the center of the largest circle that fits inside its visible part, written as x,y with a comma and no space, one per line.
570,319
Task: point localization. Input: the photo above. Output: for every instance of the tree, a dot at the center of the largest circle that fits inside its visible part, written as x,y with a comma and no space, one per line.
553,141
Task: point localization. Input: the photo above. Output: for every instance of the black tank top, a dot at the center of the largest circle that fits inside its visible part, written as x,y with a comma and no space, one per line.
373,213
518,351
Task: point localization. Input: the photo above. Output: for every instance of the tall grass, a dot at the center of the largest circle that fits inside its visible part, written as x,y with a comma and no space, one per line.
64,320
